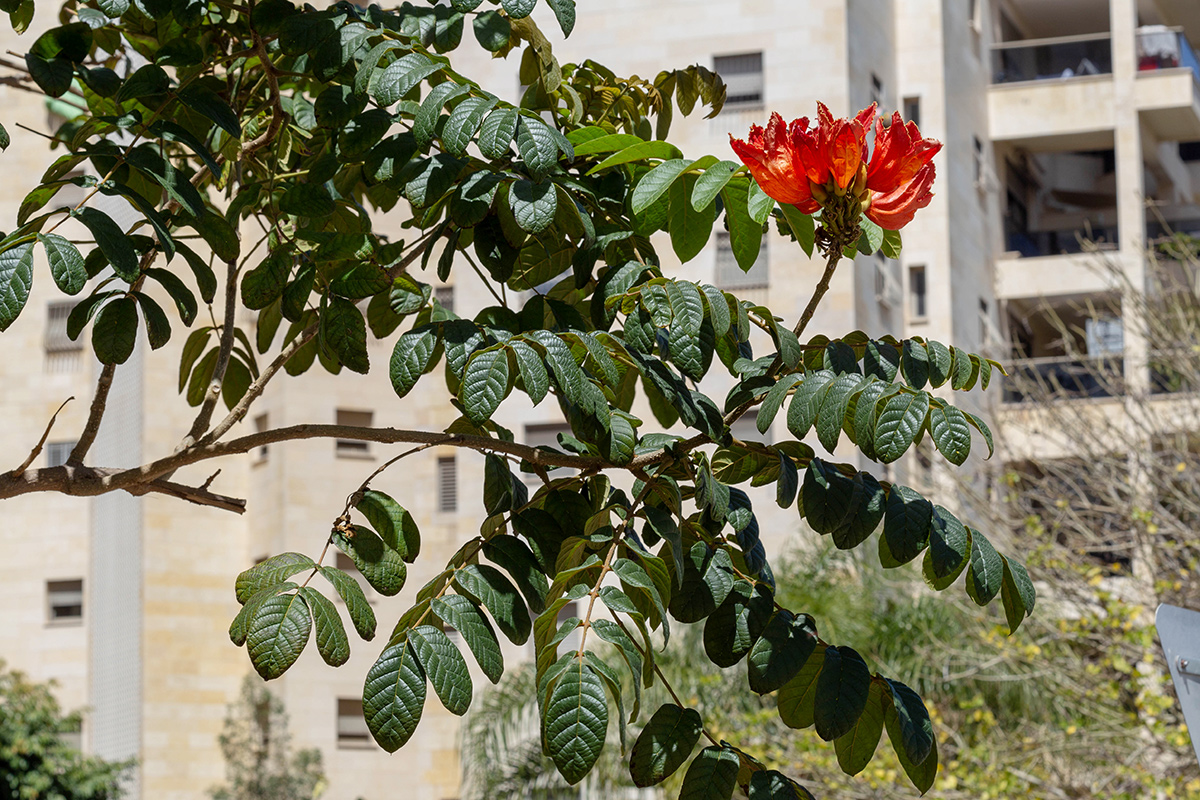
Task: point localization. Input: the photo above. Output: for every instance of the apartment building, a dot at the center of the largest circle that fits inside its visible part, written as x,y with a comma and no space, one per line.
1057,116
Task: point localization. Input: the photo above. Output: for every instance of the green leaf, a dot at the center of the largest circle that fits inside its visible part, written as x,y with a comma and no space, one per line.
949,549
538,144
712,775
332,643
856,747
564,12
217,233
392,522
906,523
950,432
357,605
52,75
112,241
158,327
842,689
412,357
802,227
444,666
785,646
985,576
240,627
899,423
690,228
797,697
774,785
664,744
518,9
705,583
914,363
394,696
891,244
66,263
464,120
911,731
476,631
731,631
758,203
379,564
486,585
709,185
832,411
533,205
498,127
185,301
277,634
637,150
115,332
940,363
492,30
656,182
1016,593
344,330
270,572
392,83
983,429
486,382
16,280
518,560
209,104
533,371
575,721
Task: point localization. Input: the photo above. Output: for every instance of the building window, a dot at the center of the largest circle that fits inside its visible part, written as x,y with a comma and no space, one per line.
877,90
447,483
64,600
544,434
445,297
887,289
57,453
917,302
261,425
728,275
352,730
353,448
980,167
985,322
62,354
743,76
71,733
912,110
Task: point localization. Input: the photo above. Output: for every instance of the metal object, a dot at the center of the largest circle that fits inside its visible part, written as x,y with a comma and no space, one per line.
1179,633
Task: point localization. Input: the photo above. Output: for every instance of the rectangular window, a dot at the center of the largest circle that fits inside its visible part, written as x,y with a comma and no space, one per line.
447,484
743,76
57,453
728,275
64,600
887,289
876,90
353,448
261,424
445,297
544,434
912,110
57,340
917,304
980,171
352,730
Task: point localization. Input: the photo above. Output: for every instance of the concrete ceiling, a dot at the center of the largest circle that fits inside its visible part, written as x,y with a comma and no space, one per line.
1173,12
1042,19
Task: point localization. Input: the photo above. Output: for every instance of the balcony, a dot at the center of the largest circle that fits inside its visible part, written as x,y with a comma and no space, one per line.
1067,241
1047,88
1168,82
1052,59
1064,378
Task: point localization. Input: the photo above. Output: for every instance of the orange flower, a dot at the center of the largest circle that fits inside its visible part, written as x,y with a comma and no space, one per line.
828,166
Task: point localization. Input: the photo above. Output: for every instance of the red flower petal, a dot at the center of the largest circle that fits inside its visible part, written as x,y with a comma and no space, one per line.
895,210
774,162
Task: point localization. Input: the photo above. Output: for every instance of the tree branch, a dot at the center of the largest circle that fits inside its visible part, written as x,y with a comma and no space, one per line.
200,425
92,426
37,448
831,262
238,412
92,481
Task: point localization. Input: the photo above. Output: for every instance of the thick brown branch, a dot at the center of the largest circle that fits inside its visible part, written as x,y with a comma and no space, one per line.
93,481
92,426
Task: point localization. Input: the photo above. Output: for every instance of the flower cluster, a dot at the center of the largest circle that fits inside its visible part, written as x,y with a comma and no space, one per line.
827,168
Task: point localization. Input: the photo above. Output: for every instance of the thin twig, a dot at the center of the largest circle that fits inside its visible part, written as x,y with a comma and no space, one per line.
37,448
92,426
200,425
831,262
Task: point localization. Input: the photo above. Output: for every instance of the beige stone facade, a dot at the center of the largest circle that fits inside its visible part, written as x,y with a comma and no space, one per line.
149,659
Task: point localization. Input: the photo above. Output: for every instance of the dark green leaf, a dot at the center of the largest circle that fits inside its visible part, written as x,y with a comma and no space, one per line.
357,605
444,666
379,564
16,279
112,241
842,690
115,332
856,747
392,522
488,586
394,696
277,634
664,744
785,646
575,721
332,643
476,631
712,775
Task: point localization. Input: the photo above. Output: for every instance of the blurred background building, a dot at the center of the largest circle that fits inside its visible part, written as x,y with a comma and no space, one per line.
1059,117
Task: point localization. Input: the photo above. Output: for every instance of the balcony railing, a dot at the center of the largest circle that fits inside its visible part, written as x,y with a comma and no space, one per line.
1160,47
1048,59
1031,244
1064,377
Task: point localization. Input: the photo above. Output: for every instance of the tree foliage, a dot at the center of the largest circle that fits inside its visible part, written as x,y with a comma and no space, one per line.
273,135
36,762
259,762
